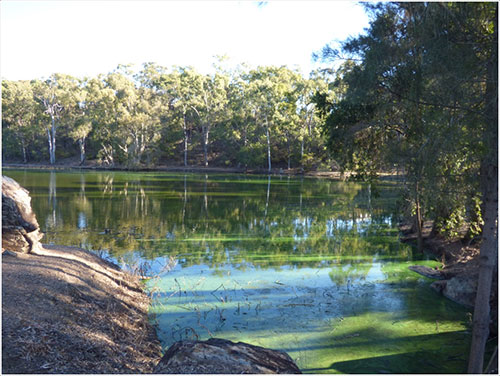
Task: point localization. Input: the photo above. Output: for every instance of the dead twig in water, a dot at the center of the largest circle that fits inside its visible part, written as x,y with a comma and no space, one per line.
218,297
200,324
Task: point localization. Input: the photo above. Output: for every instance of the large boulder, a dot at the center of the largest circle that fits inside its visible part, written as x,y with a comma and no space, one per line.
220,356
20,229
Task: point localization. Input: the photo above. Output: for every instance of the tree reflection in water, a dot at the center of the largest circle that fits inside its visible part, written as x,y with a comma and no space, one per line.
305,265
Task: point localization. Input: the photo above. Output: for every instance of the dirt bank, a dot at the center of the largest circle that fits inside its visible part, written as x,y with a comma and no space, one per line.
454,253
172,168
91,165
68,311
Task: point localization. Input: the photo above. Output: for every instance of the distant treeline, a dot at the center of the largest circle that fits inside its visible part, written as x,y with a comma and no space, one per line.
255,118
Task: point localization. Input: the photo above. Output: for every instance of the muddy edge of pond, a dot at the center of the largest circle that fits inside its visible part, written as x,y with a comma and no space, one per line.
195,169
65,310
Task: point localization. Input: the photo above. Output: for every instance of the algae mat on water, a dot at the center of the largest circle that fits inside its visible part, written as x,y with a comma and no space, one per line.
312,267
371,323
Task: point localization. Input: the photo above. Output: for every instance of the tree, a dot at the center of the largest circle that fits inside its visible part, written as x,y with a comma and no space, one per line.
311,141
78,120
183,86
214,94
269,89
100,111
18,112
136,120
47,94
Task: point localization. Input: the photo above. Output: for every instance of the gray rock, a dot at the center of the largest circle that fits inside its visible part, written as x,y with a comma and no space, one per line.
20,229
220,356
439,286
461,289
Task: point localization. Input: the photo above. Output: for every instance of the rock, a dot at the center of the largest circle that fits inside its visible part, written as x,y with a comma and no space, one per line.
461,289
439,286
220,356
20,229
426,271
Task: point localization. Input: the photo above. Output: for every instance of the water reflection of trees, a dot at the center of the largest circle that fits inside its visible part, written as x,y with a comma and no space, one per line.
218,220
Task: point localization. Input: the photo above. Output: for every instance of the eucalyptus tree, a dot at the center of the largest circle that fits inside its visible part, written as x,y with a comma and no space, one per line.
155,78
114,89
18,114
48,94
288,123
269,90
214,96
184,85
312,147
95,107
77,119
100,111
205,97
238,137
136,123
139,127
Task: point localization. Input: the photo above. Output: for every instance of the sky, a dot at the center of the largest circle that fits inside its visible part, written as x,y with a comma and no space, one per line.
85,38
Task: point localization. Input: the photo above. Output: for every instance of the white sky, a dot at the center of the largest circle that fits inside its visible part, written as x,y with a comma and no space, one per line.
84,38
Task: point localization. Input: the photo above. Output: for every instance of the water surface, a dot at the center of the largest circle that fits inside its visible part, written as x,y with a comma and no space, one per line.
313,267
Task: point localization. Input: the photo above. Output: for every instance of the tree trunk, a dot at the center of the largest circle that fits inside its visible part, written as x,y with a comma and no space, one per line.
50,145
418,222
488,257
52,142
417,218
268,146
288,149
302,150
205,143
81,144
185,141
23,146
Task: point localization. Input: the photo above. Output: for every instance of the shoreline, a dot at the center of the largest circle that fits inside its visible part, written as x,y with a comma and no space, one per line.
295,172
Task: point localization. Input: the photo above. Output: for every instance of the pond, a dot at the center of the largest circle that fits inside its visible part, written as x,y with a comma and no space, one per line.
309,266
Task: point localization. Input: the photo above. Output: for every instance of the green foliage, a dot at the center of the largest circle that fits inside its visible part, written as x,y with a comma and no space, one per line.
476,222
412,97
19,115
167,115
252,156
449,225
